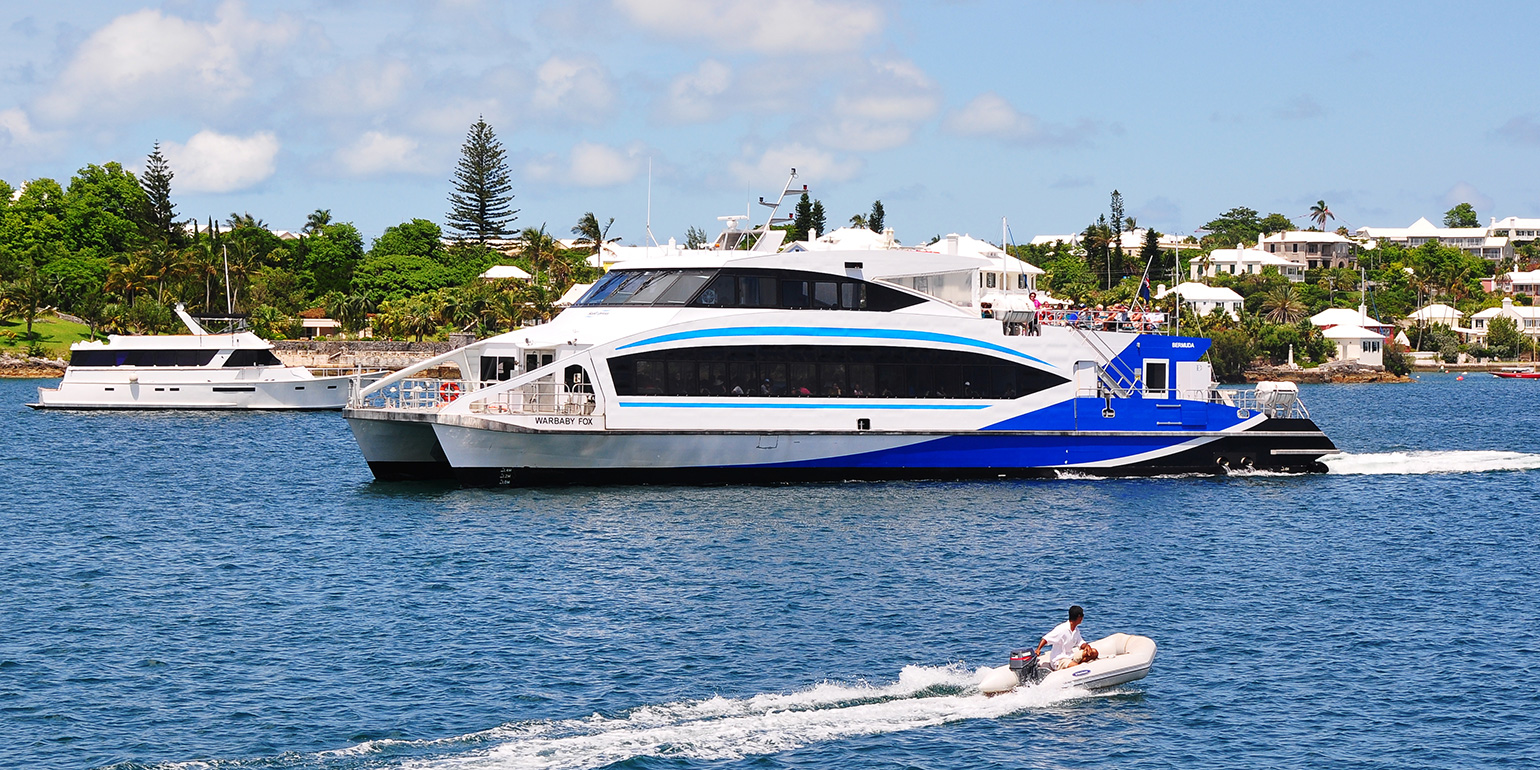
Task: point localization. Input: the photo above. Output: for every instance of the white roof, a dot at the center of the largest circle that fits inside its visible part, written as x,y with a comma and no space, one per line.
1524,276
1438,312
851,239
1511,310
1341,316
1305,236
573,294
1510,223
497,272
1198,292
1247,256
1351,332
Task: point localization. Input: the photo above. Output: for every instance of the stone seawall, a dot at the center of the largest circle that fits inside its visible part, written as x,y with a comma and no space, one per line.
28,366
1326,374
358,354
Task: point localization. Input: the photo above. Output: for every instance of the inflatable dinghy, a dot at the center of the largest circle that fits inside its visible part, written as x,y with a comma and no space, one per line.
1120,658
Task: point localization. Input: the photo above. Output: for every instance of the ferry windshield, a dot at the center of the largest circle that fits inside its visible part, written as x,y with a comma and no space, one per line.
786,289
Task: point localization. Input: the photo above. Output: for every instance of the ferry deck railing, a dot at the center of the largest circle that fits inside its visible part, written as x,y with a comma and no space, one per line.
546,395
1270,404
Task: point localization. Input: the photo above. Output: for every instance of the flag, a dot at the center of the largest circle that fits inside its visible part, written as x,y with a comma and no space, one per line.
1144,289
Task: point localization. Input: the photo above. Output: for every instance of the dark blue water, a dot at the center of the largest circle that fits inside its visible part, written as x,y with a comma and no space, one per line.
233,591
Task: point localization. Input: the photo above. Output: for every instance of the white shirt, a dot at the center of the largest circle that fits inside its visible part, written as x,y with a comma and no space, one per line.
1064,640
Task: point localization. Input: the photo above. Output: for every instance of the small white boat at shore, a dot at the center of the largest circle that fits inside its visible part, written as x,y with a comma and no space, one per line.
1121,658
200,370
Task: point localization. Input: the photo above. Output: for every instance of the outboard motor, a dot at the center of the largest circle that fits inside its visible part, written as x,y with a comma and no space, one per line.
1024,665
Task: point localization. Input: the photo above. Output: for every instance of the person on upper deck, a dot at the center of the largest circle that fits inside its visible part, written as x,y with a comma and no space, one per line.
1068,648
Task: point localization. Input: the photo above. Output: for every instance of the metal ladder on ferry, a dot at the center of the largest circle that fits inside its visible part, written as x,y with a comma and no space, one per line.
1114,377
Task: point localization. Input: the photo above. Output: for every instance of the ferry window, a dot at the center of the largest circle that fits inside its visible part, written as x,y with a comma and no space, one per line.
684,288
852,296
603,288
826,295
794,294
757,291
721,292
826,371
651,287
628,286
1156,376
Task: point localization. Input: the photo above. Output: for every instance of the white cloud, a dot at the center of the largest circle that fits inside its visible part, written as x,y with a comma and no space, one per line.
577,88
813,164
590,165
1521,129
142,61
989,114
17,131
880,110
767,26
212,162
379,153
1465,192
697,97
366,85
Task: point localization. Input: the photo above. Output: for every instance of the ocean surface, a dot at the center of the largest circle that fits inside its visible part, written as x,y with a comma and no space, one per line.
233,591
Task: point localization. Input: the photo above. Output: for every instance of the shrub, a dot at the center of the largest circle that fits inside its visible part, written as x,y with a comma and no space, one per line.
1396,360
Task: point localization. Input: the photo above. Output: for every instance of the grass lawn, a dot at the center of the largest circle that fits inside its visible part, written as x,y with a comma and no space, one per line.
53,333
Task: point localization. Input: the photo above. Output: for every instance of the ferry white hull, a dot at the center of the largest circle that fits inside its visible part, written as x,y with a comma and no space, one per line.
193,389
399,446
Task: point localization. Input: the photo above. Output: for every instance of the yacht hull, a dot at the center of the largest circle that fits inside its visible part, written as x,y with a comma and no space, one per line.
163,390
487,453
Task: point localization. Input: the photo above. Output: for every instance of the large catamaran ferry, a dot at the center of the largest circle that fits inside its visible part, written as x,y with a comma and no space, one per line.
756,365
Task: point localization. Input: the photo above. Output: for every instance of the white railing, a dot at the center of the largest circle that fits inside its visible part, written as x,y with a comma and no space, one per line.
416,394
1239,399
546,395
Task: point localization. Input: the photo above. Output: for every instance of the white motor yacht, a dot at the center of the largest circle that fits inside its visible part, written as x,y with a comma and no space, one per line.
199,370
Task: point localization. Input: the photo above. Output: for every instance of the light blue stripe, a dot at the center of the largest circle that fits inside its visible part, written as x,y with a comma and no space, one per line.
700,405
815,331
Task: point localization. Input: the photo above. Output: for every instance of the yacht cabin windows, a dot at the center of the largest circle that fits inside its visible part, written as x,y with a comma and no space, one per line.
745,288
253,358
142,357
826,371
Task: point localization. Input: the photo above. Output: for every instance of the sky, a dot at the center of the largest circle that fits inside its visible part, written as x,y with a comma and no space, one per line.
954,113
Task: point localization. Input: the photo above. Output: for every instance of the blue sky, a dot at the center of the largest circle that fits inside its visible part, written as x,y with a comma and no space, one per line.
954,113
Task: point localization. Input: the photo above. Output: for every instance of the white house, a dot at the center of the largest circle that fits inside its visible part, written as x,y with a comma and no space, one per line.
1204,299
1526,316
1244,262
848,239
1477,241
1516,282
1132,240
500,272
1437,313
1341,316
1515,228
1005,272
1310,248
1355,343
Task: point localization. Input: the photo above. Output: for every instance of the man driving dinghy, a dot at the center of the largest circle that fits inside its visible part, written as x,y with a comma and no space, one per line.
1068,649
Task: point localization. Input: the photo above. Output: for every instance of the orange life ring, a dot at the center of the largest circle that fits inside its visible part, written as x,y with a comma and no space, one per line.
448,391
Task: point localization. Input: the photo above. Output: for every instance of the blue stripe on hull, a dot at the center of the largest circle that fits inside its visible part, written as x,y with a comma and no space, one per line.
998,451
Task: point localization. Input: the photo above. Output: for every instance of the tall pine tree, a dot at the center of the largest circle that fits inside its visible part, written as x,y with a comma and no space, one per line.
802,220
159,215
818,223
481,206
877,219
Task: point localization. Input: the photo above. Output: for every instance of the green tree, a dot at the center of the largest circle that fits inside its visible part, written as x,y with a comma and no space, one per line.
1236,226
859,220
1275,223
332,252
317,220
1319,213
103,211
394,277
418,237
1462,215
801,220
818,222
1230,352
590,235
1282,305
695,238
877,220
159,213
1504,337
23,297
481,206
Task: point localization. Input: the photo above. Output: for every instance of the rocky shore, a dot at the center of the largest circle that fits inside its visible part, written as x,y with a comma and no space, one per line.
1331,373
27,366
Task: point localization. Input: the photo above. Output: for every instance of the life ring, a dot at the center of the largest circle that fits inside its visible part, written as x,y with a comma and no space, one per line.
448,391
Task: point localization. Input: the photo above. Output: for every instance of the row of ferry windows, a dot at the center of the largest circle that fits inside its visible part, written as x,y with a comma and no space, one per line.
827,371
170,358
743,288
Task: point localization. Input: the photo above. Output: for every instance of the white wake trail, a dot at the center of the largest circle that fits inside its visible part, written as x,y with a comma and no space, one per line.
1425,462
733,728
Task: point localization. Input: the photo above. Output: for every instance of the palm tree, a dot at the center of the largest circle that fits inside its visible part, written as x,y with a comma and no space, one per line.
1130,223
1282,305
858,220
237,221
1319,213
590,234
317,220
